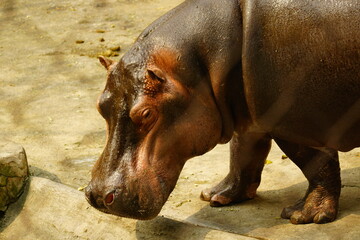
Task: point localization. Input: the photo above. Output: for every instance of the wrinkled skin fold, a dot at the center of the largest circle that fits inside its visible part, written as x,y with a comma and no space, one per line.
248,72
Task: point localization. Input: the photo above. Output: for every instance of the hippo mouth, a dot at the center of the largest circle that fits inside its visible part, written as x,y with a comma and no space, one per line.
139,199
141,205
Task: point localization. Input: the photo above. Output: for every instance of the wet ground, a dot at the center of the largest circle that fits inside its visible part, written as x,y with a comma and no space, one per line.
49,82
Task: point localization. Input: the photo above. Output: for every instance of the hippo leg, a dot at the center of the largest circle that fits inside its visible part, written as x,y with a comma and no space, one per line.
248,152
321,168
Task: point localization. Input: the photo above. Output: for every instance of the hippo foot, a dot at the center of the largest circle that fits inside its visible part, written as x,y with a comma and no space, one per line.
317,206
228,192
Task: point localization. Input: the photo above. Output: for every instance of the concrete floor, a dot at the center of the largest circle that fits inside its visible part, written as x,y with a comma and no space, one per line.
50,210
49,82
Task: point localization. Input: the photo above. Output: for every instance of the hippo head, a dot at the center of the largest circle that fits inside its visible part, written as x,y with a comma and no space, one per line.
159,113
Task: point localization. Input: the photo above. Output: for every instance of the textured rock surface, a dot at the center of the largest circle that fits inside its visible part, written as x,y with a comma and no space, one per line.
13,172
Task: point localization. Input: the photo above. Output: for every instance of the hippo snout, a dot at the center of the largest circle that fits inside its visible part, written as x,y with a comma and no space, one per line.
124,203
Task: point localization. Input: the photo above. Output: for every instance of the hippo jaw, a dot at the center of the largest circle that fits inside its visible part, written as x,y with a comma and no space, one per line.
140,185
141,182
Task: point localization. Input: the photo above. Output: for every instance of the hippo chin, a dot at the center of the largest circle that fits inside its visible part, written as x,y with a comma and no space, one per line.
244,71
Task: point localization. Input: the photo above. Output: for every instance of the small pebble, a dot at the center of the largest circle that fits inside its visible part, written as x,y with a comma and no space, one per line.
268,162
115,49
102,40
79,41
100,31
107,53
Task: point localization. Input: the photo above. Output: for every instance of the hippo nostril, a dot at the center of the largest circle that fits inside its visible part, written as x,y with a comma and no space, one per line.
109,199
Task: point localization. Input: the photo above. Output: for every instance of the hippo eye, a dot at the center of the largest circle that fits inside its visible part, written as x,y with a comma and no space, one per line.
145,119
146,113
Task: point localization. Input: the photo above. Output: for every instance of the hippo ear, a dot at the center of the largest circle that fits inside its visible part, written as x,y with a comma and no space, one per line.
106,62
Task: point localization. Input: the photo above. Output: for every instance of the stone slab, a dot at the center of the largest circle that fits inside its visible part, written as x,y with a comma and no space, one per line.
50,210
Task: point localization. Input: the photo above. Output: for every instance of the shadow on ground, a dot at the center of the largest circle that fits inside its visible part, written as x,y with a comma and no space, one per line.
260,217
10,215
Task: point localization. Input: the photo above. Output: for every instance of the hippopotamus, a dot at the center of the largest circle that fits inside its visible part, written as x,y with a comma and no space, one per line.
247,72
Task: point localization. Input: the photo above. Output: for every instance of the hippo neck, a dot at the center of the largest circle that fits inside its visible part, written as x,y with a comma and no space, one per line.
221,51
229,96
216,37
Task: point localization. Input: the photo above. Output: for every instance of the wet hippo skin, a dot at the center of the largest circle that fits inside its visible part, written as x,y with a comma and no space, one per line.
214,71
